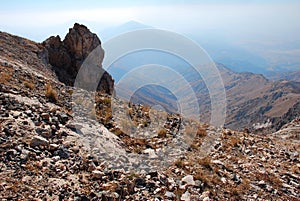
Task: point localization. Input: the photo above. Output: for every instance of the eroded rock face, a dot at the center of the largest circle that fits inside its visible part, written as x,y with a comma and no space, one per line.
67,56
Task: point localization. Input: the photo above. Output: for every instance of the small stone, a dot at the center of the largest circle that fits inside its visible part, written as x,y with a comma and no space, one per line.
182,187
55,120
75,149
38,123
157,191
10,154
39,141
62,153
204,195
186,196
28,112
63,118
169,194
189,180
171,183
140,182
44,132
151,153
16,114
96,174
53,147
199,183
153,174
247,151
53,127
218,162
206,199
45,116
223,179
269,188
24,154
55,158
91,167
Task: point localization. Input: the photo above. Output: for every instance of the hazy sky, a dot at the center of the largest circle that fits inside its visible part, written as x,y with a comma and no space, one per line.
270,28
267,19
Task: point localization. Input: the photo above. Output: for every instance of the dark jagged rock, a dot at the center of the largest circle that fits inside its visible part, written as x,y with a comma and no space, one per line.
67,56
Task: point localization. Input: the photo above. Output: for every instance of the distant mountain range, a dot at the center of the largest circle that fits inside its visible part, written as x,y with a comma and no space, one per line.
292,76
224,51
252,99
111,32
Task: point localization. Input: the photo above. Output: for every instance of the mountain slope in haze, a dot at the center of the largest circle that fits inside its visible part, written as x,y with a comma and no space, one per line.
231,54
252,99
292,76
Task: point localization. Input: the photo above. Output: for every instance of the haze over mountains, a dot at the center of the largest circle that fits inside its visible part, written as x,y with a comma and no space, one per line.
238,57
252,98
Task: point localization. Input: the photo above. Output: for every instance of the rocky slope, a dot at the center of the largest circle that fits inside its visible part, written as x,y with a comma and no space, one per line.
254,100
51,151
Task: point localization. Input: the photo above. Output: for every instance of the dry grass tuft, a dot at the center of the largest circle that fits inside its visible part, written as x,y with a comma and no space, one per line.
201,132
50,93
29,85
162,133
205,162
179,163
117,131
5,76
107,101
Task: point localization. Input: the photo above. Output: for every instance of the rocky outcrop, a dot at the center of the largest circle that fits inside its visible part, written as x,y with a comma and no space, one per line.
67,56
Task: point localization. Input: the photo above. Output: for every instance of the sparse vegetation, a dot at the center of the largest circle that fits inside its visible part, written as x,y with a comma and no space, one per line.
179,163
205,162
234,141
70,91
29,85
162,133
201,132
238,190
5,75
107,101
194,145
50,93
117,132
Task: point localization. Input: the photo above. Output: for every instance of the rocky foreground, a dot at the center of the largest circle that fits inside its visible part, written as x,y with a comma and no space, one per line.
46,153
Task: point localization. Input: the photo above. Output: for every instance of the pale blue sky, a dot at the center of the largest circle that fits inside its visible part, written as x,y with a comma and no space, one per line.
267,18
270,28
